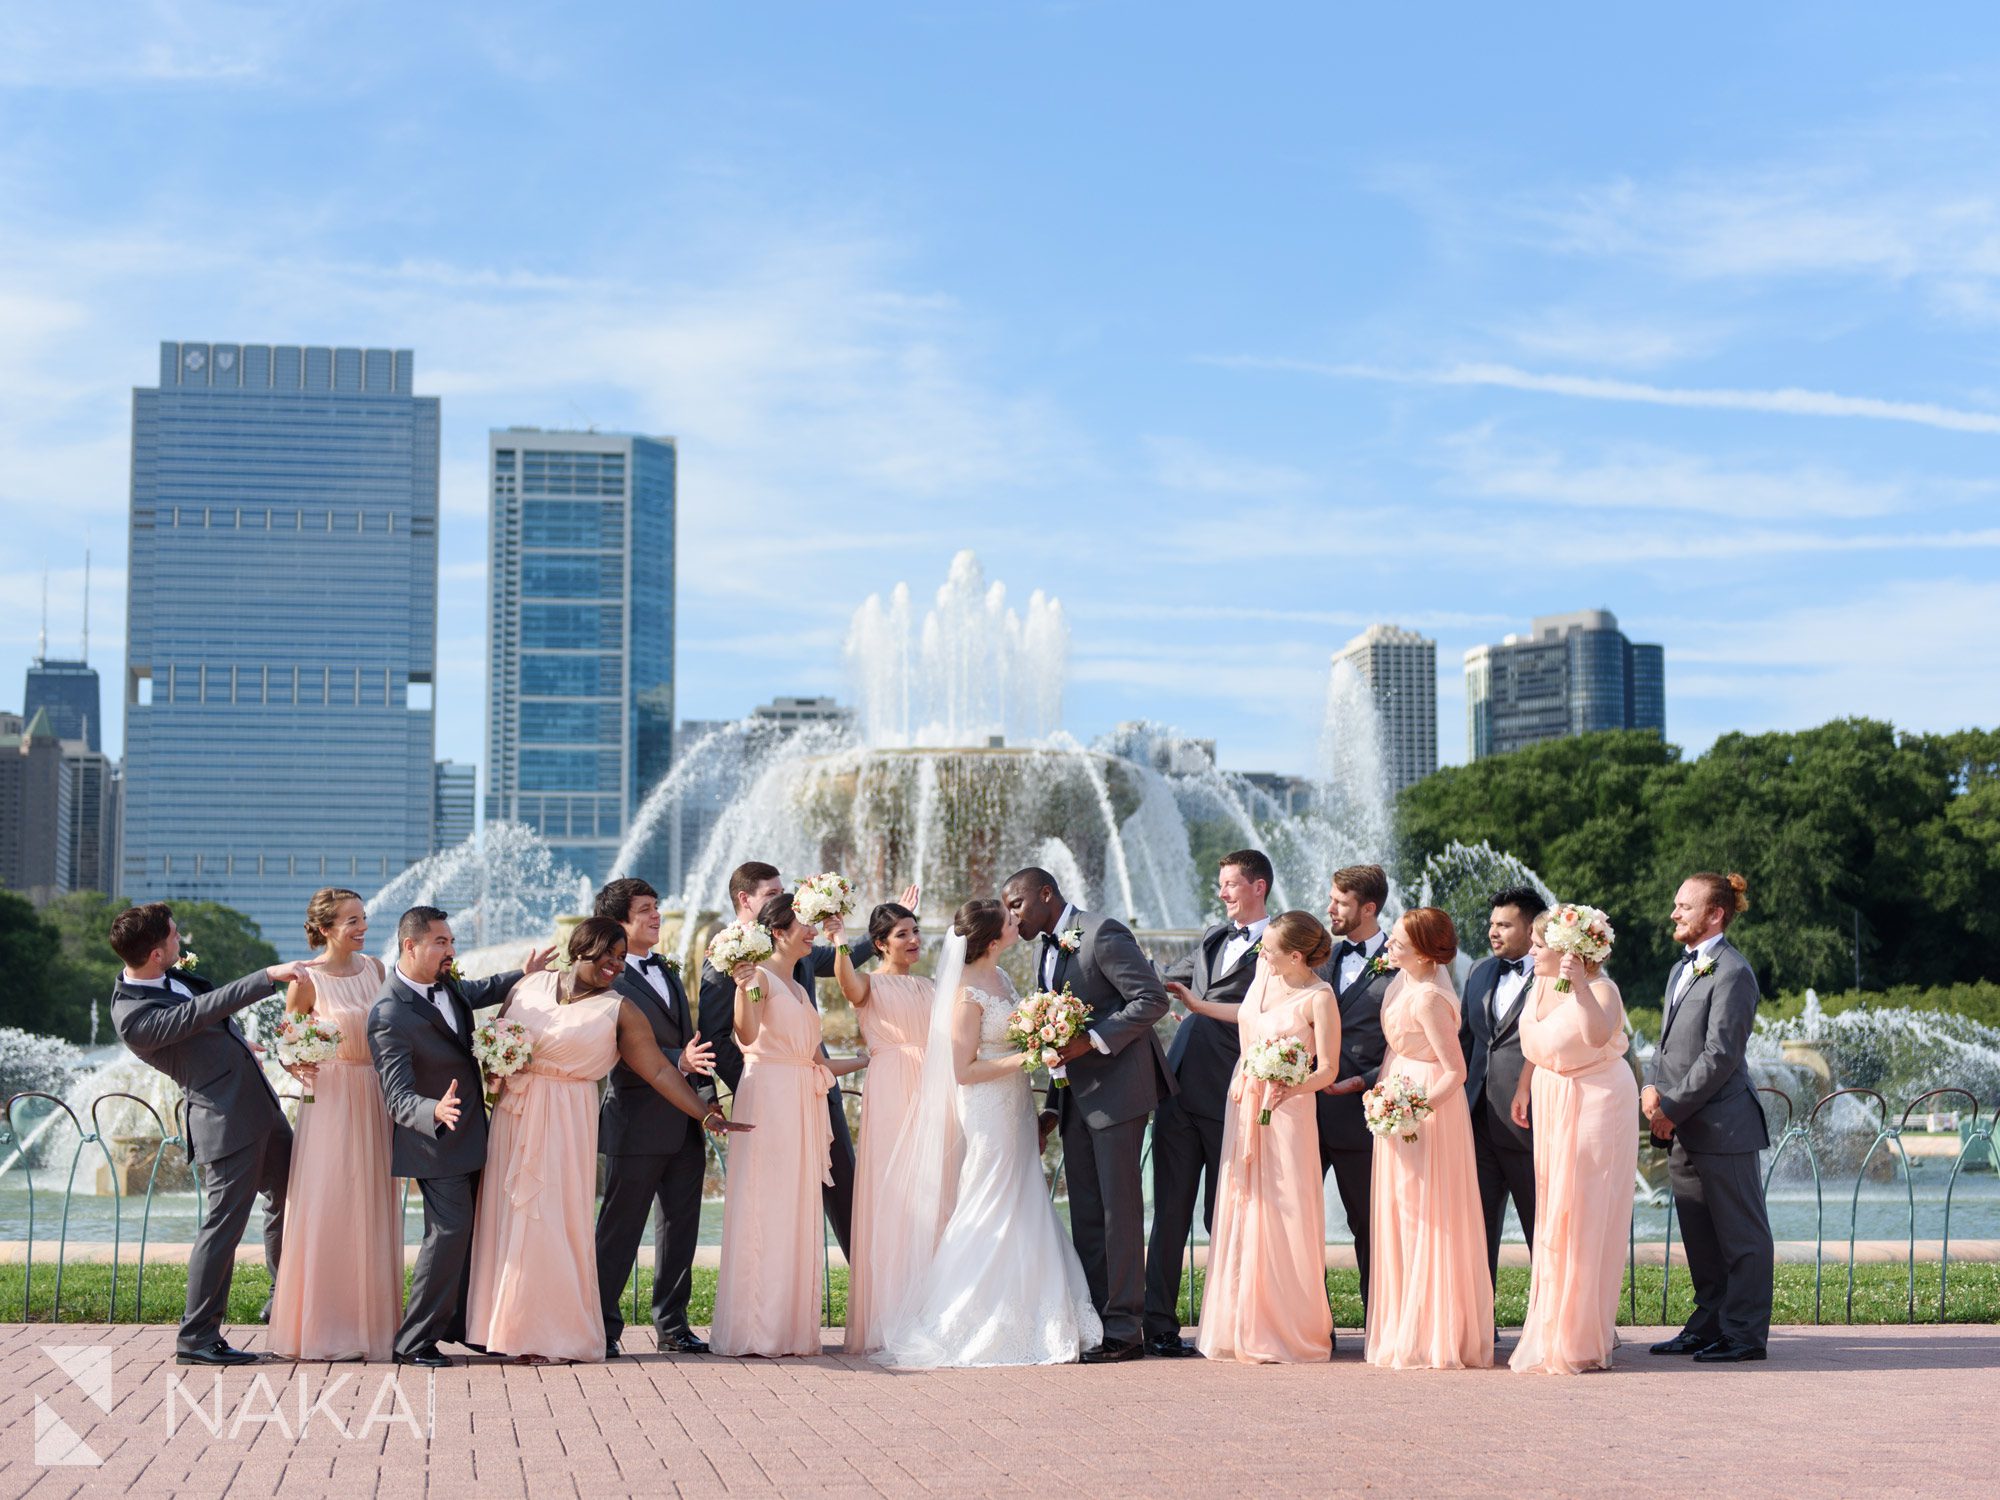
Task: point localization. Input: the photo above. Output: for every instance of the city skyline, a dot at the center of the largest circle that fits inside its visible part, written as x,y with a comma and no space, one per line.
1232,363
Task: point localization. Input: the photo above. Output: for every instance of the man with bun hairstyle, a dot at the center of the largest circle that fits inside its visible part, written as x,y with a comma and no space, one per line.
1700,1102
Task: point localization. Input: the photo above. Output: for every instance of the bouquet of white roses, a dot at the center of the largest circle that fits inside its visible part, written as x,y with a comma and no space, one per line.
821,897
1582,930
503,1048
737,944
1396,1106
304,1042
1277,1059
1044,1022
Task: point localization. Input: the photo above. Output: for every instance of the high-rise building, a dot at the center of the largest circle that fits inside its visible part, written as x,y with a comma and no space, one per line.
1571,674
34,812
580,705
67,692
1400,667
281,626
457,799
91,826
796,713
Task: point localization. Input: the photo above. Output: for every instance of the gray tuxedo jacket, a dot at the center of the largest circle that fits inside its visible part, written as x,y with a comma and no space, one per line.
1493,1060
417,1056
1112,976
1343,1125
633,1119
1698,1068
1204,1051
196,1043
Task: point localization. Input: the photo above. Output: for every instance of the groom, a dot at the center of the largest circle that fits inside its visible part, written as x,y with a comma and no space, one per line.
1117,1073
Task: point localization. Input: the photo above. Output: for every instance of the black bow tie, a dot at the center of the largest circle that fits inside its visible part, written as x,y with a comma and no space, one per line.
1350,947
1048,941
1239,932
653,961
1513,966
1692,955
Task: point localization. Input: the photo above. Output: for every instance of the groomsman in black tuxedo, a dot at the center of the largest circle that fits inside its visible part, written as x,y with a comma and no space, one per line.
652,1154
179,1023
1489,1033
1210,981
1360,975
420,1035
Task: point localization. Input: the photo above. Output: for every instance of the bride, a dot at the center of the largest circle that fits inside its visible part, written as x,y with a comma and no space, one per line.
983,1271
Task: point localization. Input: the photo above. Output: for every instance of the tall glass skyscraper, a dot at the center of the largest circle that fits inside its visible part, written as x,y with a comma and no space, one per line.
67,691
580,706
281,626
1571,674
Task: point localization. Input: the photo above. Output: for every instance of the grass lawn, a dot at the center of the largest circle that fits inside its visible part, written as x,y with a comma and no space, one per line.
1881,1295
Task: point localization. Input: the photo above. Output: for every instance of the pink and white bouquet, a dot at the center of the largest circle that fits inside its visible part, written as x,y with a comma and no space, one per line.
741,943
1277,1059
1396,1106
821,897
503,1048
1042,1024
1582,930
304,1042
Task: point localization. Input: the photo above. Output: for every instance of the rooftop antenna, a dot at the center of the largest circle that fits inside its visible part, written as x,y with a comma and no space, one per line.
86,601
42,641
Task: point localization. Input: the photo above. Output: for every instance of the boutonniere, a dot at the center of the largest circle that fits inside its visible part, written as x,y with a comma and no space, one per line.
451,973
1703,967
672,966
1070,939
1255,949
1378,965
187,961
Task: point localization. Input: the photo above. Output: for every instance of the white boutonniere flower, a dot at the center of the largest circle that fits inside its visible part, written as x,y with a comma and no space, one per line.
1703,967
1070,939
187,961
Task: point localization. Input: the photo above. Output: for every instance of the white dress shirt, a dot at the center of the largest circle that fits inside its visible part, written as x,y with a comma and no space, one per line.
1703,950
652,978
1051,952
439,996
1351,964
1239,943
1509,989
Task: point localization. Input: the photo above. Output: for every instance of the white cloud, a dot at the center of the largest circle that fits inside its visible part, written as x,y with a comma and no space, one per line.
1586,338
1181,464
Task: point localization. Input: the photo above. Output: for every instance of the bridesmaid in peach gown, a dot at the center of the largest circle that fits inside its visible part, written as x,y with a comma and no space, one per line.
1578,1089
767,1291
1264,1300
534,1245
340,1281
1430,1303
894,1009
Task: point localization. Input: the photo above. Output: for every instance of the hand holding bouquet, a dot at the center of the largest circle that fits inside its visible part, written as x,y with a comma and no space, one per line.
738,944
305,1043
1582,930
503,1049
1396,1106
1044,1023
1277,1059
823,897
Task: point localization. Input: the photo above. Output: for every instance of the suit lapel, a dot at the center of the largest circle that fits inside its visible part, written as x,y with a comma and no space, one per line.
436,1017
635,987
1674,1007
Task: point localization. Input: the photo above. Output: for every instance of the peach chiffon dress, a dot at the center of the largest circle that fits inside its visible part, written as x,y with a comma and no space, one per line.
895,1024
1264,1301
767,1290
1430,1304
1584,1103
340,1280
534,1243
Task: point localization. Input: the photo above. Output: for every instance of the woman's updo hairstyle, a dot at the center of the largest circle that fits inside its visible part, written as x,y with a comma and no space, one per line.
1731,892
1302,933
980,923
593,938
323,911
777,913
882,921
1430,932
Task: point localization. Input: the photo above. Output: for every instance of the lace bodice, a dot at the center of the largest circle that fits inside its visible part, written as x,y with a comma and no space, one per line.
994,1011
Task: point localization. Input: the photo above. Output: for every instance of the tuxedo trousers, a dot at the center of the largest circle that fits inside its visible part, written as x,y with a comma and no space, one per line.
1719,1198
1187,1161
1107,1218
1354,1179
230,1186
442,1280
633,1185
1504,1171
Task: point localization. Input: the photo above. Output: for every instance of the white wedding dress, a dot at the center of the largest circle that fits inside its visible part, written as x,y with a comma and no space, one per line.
1005,1286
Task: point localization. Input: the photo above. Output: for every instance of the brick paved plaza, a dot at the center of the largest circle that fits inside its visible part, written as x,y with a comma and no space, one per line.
1837,1411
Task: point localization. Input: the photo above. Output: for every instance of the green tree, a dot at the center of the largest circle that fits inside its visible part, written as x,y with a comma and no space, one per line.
30,954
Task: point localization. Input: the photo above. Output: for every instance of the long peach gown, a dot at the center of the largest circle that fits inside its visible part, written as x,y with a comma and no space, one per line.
1585,1106
1264,1301
1430,1304
767,1291
895,1024
340,1281
534,1243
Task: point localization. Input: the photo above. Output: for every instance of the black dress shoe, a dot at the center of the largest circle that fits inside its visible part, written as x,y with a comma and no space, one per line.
1683,1343
1171,1346
612,1351
429,1356
683,1342
1114,1354
216,1353
1723,1352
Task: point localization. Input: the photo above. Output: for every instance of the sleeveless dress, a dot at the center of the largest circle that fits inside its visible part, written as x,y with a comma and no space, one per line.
1006,1287
1430,1301
894,1024
768,1288
339,1293
1264,1301
534,1246
1585,1106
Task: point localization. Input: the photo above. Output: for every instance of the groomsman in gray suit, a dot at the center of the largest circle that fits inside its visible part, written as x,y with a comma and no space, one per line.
420,1035
1700,1102
1117,1073
1489,1033
175,1021
1210,980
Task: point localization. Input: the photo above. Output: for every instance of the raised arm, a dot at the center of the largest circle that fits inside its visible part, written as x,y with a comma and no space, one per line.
1603,1015
161,1023
482,994
1118,958
745,1023
1730,1015
853,983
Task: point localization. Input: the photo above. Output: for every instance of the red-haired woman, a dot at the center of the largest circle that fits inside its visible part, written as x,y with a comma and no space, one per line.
1430,1304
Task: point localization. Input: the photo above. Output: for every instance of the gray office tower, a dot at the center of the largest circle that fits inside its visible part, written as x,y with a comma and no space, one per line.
580,642
1571,674
281,627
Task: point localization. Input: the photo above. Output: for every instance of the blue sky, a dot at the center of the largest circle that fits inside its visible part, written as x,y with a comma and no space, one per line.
1237,329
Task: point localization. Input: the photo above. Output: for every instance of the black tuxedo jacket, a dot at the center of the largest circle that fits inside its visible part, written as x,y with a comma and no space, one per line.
718,1002
1204,1051
1342,1124
1493,1056
634,1120
195,1042
417,1056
